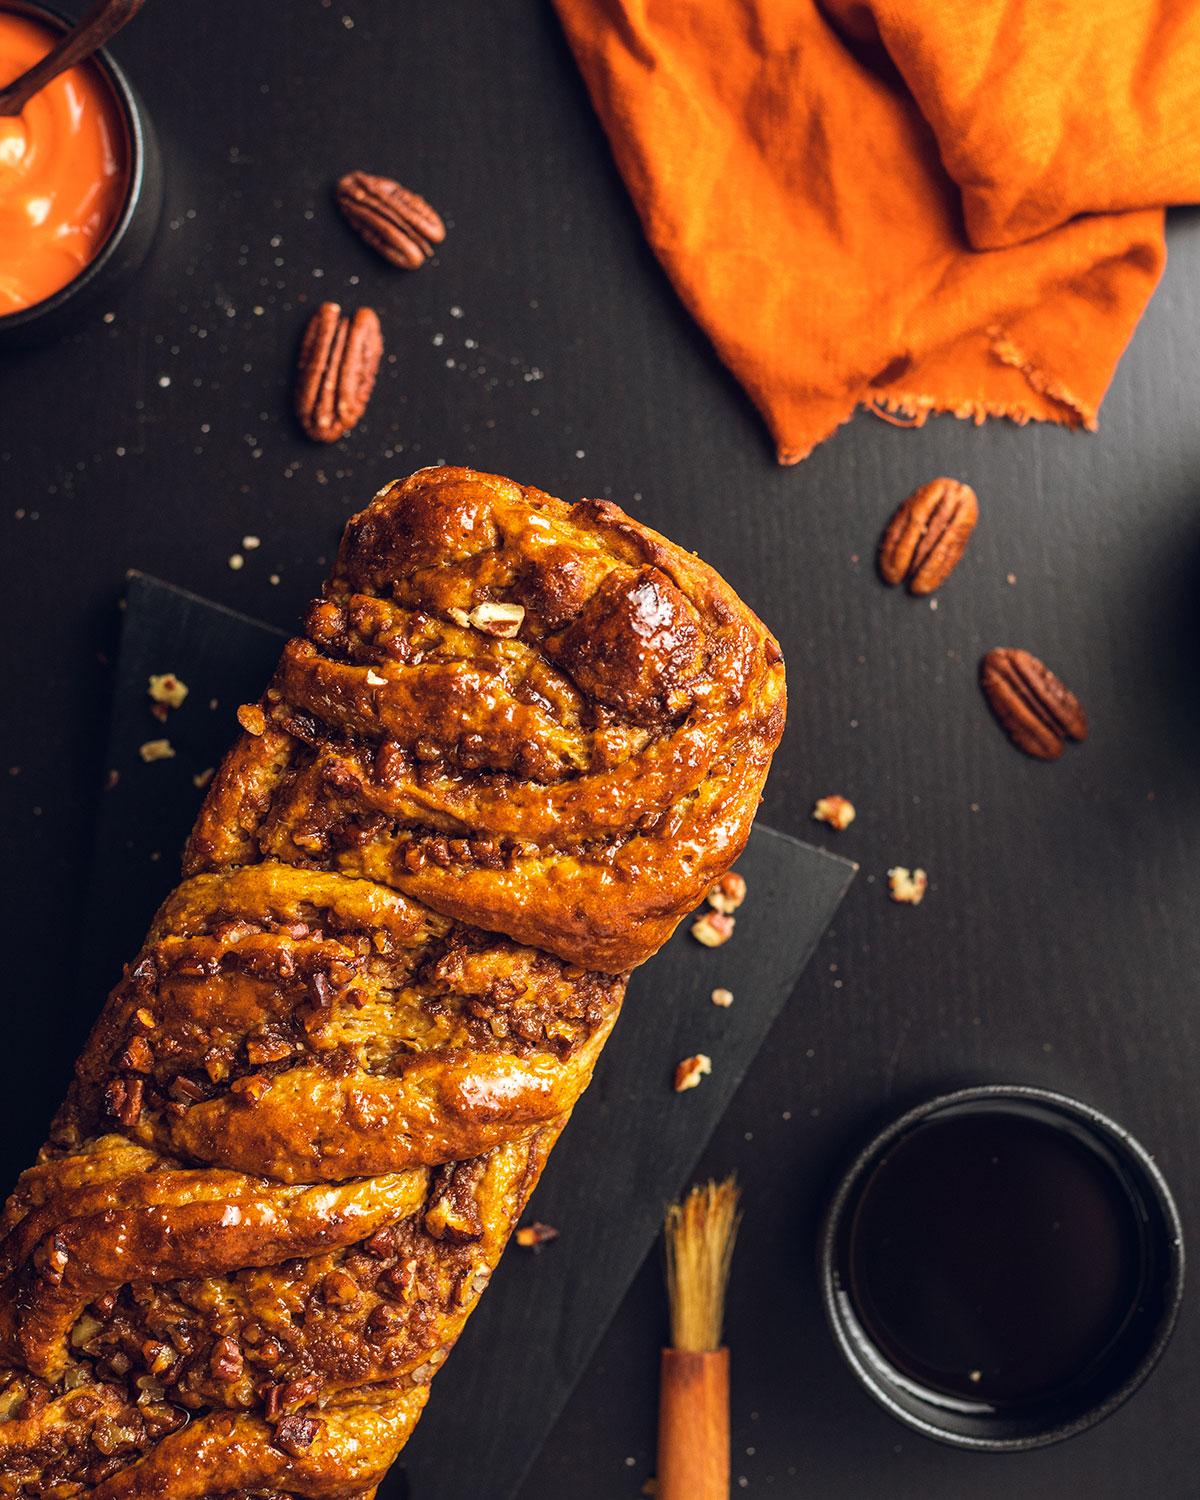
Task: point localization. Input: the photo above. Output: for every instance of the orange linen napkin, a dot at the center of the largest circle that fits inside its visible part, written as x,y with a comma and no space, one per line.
938,205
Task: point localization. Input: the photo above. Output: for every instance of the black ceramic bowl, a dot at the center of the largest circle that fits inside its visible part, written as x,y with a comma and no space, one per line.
1146,1228
127,245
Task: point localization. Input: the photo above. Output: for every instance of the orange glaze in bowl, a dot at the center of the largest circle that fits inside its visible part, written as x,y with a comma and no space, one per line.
64,165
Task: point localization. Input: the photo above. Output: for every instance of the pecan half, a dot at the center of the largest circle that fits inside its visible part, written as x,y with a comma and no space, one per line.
928,534
339,359
1037,712
396,222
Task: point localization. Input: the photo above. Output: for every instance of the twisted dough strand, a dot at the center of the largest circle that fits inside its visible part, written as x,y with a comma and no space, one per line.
312,1111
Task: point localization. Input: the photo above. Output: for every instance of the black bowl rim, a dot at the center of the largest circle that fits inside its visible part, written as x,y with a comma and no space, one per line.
131,110
1117,1136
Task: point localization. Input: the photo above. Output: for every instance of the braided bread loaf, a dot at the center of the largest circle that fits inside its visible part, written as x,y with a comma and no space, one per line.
517,743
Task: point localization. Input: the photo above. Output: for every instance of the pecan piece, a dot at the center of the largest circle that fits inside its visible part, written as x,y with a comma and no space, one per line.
928,534
390,218
690,1071
534,1236
713,928
339,359
295,1435
1037,712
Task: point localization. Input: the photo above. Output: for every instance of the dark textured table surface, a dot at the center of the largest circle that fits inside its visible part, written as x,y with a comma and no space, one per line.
1058,943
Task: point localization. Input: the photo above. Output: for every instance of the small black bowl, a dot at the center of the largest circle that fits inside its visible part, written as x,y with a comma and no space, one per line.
129,242
1146,1226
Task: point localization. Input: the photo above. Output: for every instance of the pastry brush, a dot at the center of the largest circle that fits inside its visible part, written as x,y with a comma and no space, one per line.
693,1411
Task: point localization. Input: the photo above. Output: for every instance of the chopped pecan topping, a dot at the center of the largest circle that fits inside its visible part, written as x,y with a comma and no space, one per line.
295,1435
928,535
137,1055
382,1243
339,359
501,620
252,1086
1037,711
341,1290
298,1393
225,1361
390,218
723,998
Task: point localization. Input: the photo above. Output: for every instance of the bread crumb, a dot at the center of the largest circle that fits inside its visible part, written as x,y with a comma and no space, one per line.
202,778
250,542
236,561
167,689
690,1071
534,1236
836,811
907,886
156,750
723,998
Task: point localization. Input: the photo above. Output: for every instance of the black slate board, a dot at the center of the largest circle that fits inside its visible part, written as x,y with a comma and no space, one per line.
633,1142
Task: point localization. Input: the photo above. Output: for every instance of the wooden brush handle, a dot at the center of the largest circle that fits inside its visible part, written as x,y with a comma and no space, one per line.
693,1426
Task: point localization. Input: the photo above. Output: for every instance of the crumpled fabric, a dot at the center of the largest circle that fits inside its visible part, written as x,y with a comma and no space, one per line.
940,205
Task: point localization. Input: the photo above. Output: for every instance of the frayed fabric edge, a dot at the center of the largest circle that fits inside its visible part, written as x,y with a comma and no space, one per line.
1009,353
911,409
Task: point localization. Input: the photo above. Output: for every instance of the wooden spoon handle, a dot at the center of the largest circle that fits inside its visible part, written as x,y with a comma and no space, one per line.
693,1426
103,21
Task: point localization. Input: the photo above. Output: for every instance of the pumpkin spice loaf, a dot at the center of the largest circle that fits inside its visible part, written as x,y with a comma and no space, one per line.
518,741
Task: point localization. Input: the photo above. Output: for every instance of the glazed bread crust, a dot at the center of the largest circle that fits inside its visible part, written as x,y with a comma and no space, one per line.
578,786
312,1111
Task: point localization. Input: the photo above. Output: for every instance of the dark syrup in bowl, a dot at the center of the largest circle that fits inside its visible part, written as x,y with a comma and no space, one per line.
996,1256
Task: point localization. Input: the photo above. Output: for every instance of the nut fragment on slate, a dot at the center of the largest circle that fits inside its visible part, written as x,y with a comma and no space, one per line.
339,359
531,1236
928,535
1037,712
836,811
723,998
728,893
391,219
907,886
154,750
690,1071
713,928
